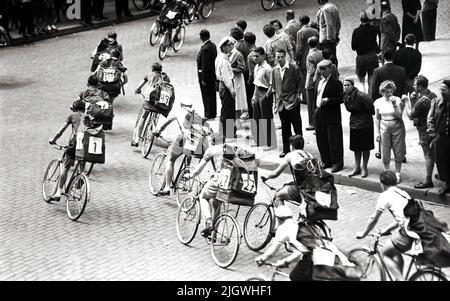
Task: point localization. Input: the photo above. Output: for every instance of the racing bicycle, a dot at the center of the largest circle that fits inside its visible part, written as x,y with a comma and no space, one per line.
172,40
269,4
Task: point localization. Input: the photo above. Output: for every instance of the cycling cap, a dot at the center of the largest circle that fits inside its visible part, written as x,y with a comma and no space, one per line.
112,35
283,212
186,102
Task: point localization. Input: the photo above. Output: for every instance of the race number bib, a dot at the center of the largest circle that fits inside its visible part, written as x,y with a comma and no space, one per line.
104,105
95,145
80,141
224,178
108,75
171,14
164,97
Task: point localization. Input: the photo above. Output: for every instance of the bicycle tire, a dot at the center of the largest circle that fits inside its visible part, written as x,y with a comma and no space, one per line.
184,188
156,175
432,273
88,171
206,8
177,45
267,4
163,47
260,221
51,177
155,34
289,2
188,219
147,135
141,4
255,279
369,264
78,195
190,15
225,234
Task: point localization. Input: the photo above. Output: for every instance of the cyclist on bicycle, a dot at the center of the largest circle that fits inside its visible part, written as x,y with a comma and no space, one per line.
192,126
393,199
286,233
293,158
151,81
74,119
172,14
105,46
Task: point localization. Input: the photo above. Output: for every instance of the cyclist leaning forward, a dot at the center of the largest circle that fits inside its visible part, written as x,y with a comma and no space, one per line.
192,128
151,81
171,16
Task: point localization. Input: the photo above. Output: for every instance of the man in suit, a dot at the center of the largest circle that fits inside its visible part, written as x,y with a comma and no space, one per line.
206,74
292,27
409,58
328,118
286,86
389,71
302,48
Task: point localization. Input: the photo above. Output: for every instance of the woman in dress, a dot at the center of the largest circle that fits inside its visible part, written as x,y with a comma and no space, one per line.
411,20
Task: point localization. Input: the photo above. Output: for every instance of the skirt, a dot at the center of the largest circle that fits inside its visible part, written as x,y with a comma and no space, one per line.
361,139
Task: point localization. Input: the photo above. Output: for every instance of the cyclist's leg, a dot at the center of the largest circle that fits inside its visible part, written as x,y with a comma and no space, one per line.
288,192
140,125
174,153
392,252
208,193
69,161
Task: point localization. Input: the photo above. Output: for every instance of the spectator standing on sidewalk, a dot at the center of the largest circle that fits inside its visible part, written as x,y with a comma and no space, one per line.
97,9
206,74
314,57
417,106
328,123
286,85
364,42
438,126
389,28
26,17
389,127
276,42
302,49
122,8
429,16
250,40
411,20
292,28
361,108
264,131
86,13
242,25
238,65
227,93
410,59
278,30
329,26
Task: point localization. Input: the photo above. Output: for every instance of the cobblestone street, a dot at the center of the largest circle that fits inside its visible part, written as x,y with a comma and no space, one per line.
126,233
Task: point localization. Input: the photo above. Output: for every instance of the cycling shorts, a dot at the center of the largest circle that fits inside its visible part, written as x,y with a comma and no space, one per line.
69,158
401,240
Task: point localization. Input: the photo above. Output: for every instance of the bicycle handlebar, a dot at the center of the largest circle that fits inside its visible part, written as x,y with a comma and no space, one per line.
265,183
59,146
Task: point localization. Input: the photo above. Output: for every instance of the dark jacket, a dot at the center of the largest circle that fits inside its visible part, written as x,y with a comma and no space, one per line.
205,62
388,71
361,108
410,59
331,112
364,39
286,90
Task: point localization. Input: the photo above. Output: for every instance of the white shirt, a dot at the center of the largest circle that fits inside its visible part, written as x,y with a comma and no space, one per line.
224,72
262,75
283,69
393,199
322,84
386,109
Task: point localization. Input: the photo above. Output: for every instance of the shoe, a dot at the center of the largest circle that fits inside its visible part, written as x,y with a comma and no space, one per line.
354,173
54,28
134,144
404,160
207,231
163,193
55,198
364,174
310,128
245,116
422,185
249,137
282,155
443,191
399,177
336,167
326,165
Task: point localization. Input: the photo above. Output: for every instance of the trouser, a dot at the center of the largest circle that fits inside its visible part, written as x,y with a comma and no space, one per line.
441,150
97,7
249,89
429,24
122,7
86,11
264,126
209,99
227,120
310,99
288,118
331,45
329,141
304,98
26,18
393,134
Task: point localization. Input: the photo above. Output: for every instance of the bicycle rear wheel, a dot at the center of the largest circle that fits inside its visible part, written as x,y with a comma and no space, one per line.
157,175
188,219
369,264
179,43
50,180
190,15
267,4
225,240
141,4
258,226
147,135
206,8
78,195
289,2
428,274
155,34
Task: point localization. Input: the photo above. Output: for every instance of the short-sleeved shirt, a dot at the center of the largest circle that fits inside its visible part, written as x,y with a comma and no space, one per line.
216,154
386,109
297,156
394,200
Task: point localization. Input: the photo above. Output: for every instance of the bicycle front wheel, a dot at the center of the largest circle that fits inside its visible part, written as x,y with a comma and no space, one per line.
78,195
225,240
188,219
190,15
141,4
51,179
147,135
206,9
258,226
428,274
155,34
157,175
180,39
369,264
164,46
267,4
289,2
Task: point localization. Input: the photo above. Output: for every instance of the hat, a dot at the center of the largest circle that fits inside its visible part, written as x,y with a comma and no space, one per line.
283,212
225,40
324,63
447,83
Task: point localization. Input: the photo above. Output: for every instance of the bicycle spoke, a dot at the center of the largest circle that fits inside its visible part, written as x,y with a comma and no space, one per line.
225,240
